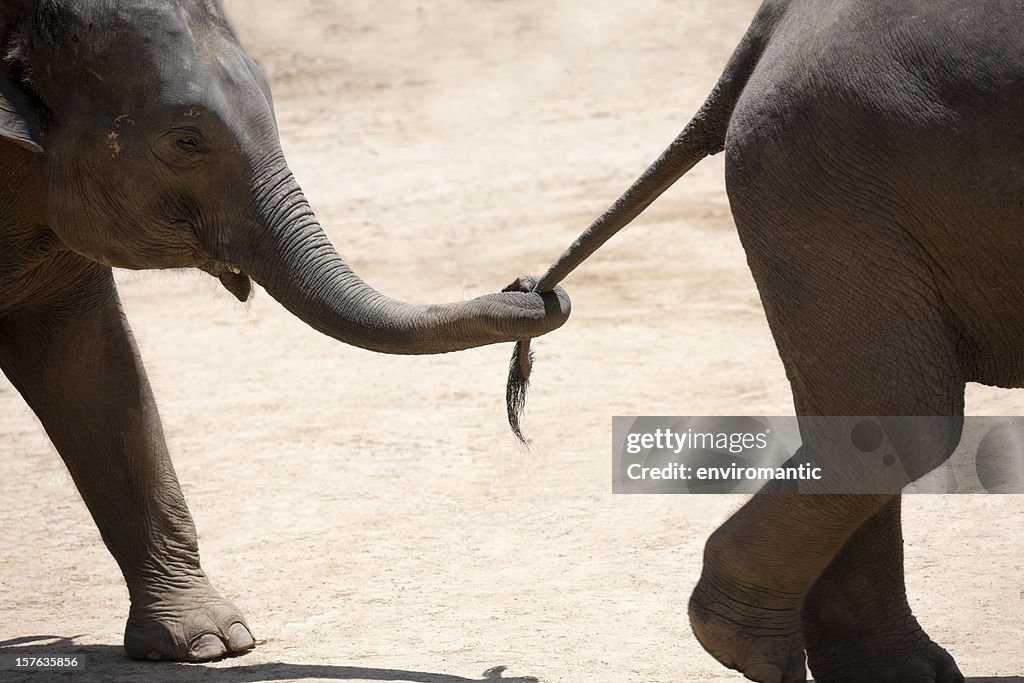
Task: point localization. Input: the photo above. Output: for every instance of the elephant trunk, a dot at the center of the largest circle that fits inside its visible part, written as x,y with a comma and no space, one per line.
289,254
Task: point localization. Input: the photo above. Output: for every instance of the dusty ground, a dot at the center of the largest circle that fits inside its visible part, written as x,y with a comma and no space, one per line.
372,515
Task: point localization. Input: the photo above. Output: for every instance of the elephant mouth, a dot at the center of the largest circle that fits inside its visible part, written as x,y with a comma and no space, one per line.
232,277
238,283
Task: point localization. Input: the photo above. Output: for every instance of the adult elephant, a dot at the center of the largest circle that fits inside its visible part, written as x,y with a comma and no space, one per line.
141,135
874,166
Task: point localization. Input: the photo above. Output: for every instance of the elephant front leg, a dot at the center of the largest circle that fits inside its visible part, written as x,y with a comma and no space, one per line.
857,623
77,366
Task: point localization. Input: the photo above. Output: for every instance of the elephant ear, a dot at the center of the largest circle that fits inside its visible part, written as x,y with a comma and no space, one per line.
19,116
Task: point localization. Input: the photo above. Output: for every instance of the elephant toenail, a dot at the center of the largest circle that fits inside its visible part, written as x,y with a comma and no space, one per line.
154,655
206,646
239,637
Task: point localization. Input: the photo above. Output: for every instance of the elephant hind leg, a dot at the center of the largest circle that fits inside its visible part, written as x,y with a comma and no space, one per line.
788,571
861,332
858,609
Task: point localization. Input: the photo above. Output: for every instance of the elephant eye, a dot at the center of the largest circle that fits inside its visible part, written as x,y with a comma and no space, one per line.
182,147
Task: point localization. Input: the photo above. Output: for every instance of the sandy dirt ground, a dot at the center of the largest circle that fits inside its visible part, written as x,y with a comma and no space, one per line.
372,515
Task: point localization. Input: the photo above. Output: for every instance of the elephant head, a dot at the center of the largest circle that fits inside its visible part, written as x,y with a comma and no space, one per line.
153,135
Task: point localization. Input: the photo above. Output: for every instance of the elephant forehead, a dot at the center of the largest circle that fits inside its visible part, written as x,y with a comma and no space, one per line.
125,44
124,59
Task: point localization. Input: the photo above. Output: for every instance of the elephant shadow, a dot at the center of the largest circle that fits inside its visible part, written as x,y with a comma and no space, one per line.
106,662
985,679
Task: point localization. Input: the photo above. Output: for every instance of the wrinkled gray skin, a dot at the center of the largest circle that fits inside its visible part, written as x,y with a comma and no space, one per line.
875,169
140,134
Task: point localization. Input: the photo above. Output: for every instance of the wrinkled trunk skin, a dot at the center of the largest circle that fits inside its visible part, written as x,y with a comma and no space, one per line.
287,252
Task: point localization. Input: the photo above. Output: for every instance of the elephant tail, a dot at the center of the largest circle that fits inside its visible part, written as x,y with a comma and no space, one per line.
703,136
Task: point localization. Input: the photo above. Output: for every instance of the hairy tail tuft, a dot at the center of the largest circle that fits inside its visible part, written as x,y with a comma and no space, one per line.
518,383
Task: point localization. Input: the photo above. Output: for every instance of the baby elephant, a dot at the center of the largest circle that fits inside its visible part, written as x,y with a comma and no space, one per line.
874,165
139,134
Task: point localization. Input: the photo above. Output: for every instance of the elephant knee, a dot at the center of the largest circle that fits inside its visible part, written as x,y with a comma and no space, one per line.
876,454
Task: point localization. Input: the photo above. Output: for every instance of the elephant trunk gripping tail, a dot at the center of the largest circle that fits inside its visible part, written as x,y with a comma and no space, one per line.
141,135
873,161
702,137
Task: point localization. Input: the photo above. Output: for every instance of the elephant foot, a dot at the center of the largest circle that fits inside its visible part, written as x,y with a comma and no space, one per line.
741,631
193,624
909,658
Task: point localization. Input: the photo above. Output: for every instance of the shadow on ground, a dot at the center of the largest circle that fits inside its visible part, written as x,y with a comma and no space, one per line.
989,679
109,662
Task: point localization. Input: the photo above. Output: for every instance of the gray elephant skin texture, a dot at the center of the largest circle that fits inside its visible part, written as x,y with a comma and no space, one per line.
141,135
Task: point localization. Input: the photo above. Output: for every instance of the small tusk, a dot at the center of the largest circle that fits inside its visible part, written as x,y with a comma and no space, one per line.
235,269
